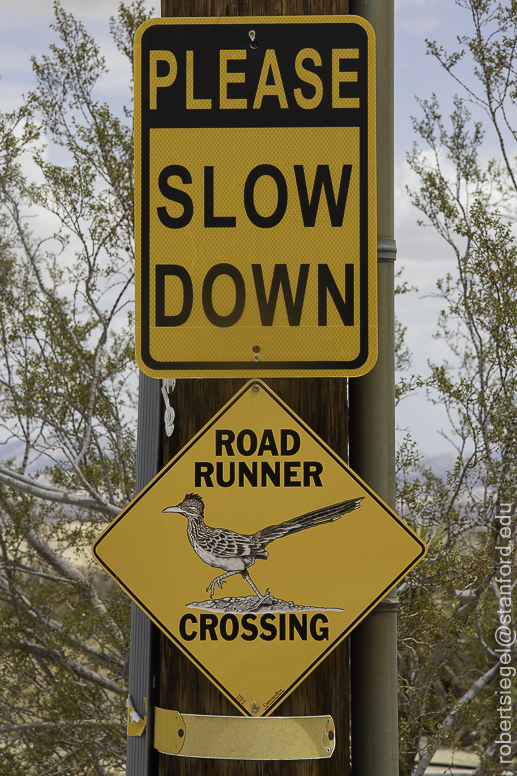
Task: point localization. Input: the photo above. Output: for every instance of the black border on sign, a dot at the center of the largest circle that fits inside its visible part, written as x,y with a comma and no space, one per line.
262,368
341,463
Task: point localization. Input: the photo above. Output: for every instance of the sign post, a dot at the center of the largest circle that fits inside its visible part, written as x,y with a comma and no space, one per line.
372,443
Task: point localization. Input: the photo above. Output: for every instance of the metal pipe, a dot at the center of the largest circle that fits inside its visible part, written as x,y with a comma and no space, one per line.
372,444
143,635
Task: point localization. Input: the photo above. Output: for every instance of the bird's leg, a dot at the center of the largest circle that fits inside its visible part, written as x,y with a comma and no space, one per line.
248,579
261,598
219,581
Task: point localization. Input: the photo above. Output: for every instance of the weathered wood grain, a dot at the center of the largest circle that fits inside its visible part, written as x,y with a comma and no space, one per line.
252,7
322,404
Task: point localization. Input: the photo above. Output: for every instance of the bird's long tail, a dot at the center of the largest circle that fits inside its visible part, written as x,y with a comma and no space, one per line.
318,517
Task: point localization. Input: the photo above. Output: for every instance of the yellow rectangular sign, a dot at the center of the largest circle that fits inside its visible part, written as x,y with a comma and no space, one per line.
255,197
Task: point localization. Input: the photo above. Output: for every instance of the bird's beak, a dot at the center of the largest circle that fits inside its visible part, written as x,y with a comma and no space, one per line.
173,509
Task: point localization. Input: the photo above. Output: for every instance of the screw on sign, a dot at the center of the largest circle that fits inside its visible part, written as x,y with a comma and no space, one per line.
254,475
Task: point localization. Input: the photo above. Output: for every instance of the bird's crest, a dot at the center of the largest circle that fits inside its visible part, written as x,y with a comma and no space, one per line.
193,500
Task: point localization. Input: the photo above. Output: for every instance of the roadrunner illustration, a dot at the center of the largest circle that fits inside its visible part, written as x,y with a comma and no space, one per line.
234,552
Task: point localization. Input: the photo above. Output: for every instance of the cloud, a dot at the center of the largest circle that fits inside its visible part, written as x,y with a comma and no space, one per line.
25,32
93,9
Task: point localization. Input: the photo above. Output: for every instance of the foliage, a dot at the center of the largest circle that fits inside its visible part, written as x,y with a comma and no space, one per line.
448,659
67,385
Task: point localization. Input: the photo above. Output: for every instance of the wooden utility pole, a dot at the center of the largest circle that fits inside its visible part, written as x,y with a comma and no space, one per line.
162,673
322,404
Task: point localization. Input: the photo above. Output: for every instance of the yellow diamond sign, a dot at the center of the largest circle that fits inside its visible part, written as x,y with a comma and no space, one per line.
257,550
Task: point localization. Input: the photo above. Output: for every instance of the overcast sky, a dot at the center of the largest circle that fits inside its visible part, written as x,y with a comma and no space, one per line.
24,31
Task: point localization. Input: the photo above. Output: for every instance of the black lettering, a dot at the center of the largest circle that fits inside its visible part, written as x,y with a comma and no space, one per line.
268,443
272,474
225,619
299,627
176,270
322,179
248,624
230,628
268,627
250,474
265,222
183,627
203,470
323,633
224,438
212,220
312,471
240,295
280,279
285,433
175,195
326,283
246,432
208,623
290,475
219,475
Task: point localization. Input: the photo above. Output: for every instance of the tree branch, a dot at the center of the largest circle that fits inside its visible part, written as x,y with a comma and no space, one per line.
59,563
27,485
19,726
449,721
77,668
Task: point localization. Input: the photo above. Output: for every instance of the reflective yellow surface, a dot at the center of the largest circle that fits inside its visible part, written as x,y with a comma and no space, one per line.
187,319
238,738
324,579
